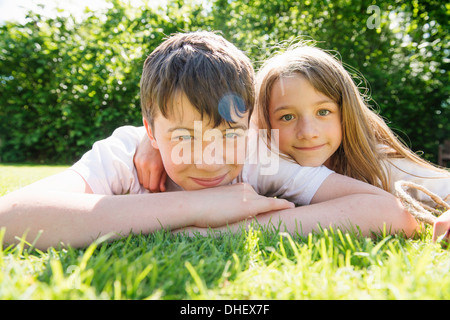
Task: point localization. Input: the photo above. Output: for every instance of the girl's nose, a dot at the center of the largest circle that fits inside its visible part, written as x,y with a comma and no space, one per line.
306,129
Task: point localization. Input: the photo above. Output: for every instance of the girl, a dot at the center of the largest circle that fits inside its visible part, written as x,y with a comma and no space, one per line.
322,119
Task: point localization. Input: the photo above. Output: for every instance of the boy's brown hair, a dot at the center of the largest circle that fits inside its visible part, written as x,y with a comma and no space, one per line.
205,67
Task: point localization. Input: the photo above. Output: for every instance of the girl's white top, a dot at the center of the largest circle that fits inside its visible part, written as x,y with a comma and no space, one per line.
404,169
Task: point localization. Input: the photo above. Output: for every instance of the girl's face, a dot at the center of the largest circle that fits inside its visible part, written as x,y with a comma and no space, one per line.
308,121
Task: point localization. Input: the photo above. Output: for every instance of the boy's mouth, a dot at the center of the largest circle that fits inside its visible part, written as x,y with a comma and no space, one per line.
210,182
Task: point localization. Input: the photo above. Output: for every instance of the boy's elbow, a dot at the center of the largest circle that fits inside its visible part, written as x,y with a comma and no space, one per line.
8,204
8,215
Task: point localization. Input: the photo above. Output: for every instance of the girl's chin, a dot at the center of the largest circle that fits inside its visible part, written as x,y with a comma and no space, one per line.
309,163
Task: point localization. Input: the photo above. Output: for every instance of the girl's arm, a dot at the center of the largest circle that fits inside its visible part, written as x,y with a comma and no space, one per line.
340,201
63,207
365,209
149,167
349,213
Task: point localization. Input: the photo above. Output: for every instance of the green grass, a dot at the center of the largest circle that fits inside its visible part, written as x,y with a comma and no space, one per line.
13,177
254,264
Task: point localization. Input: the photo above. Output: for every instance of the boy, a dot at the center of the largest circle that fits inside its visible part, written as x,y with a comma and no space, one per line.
195,87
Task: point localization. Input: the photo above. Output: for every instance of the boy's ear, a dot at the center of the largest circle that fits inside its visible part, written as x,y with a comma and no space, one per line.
148,128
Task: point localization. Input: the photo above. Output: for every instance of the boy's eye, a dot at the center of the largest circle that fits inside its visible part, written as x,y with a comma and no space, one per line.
323,112
182,138
231,135
234,133
287,117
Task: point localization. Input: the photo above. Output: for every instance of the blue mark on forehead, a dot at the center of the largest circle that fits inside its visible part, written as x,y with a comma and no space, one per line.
230,106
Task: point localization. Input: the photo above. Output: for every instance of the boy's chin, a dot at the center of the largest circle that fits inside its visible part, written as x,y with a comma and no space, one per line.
193,185
199,187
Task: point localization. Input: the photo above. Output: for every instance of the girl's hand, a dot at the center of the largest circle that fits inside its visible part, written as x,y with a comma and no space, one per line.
441,227
149,166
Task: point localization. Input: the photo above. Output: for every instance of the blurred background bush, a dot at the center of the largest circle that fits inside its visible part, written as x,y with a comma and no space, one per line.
66,83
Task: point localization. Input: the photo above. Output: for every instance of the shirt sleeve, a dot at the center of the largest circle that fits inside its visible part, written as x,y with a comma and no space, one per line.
272,175
108,167
435,181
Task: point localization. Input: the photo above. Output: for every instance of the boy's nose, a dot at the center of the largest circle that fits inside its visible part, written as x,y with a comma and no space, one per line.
211,157
214,167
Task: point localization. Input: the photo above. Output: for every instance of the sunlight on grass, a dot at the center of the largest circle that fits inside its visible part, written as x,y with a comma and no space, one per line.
261,263
323,269
13,177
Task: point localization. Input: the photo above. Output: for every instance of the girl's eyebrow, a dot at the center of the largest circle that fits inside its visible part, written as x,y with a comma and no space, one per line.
324,101
283,107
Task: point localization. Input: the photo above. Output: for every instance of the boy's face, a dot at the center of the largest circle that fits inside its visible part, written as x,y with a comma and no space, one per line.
195,154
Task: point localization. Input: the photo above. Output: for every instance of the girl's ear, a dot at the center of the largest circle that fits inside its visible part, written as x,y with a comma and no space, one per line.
148,128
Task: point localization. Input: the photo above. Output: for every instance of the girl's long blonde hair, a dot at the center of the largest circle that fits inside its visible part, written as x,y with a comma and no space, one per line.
360,155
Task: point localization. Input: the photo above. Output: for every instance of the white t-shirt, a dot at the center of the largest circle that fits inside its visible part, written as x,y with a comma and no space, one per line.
434,181
109,169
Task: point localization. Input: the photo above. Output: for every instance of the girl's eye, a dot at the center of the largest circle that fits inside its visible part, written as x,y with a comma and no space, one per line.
323,112
287,117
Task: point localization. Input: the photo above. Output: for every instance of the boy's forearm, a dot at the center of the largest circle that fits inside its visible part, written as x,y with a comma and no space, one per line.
78,219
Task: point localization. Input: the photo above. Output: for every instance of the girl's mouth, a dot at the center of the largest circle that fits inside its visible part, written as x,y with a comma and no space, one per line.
309,148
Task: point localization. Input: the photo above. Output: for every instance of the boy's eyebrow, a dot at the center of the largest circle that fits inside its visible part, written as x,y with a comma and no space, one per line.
231,126
237,126
180,128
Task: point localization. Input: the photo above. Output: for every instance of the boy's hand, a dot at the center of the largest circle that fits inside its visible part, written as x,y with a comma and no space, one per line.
149,166
224,205
441,227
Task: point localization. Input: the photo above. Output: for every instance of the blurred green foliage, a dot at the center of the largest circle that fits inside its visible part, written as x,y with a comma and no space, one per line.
65,84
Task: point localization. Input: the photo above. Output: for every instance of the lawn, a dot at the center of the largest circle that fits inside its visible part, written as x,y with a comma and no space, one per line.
253,264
